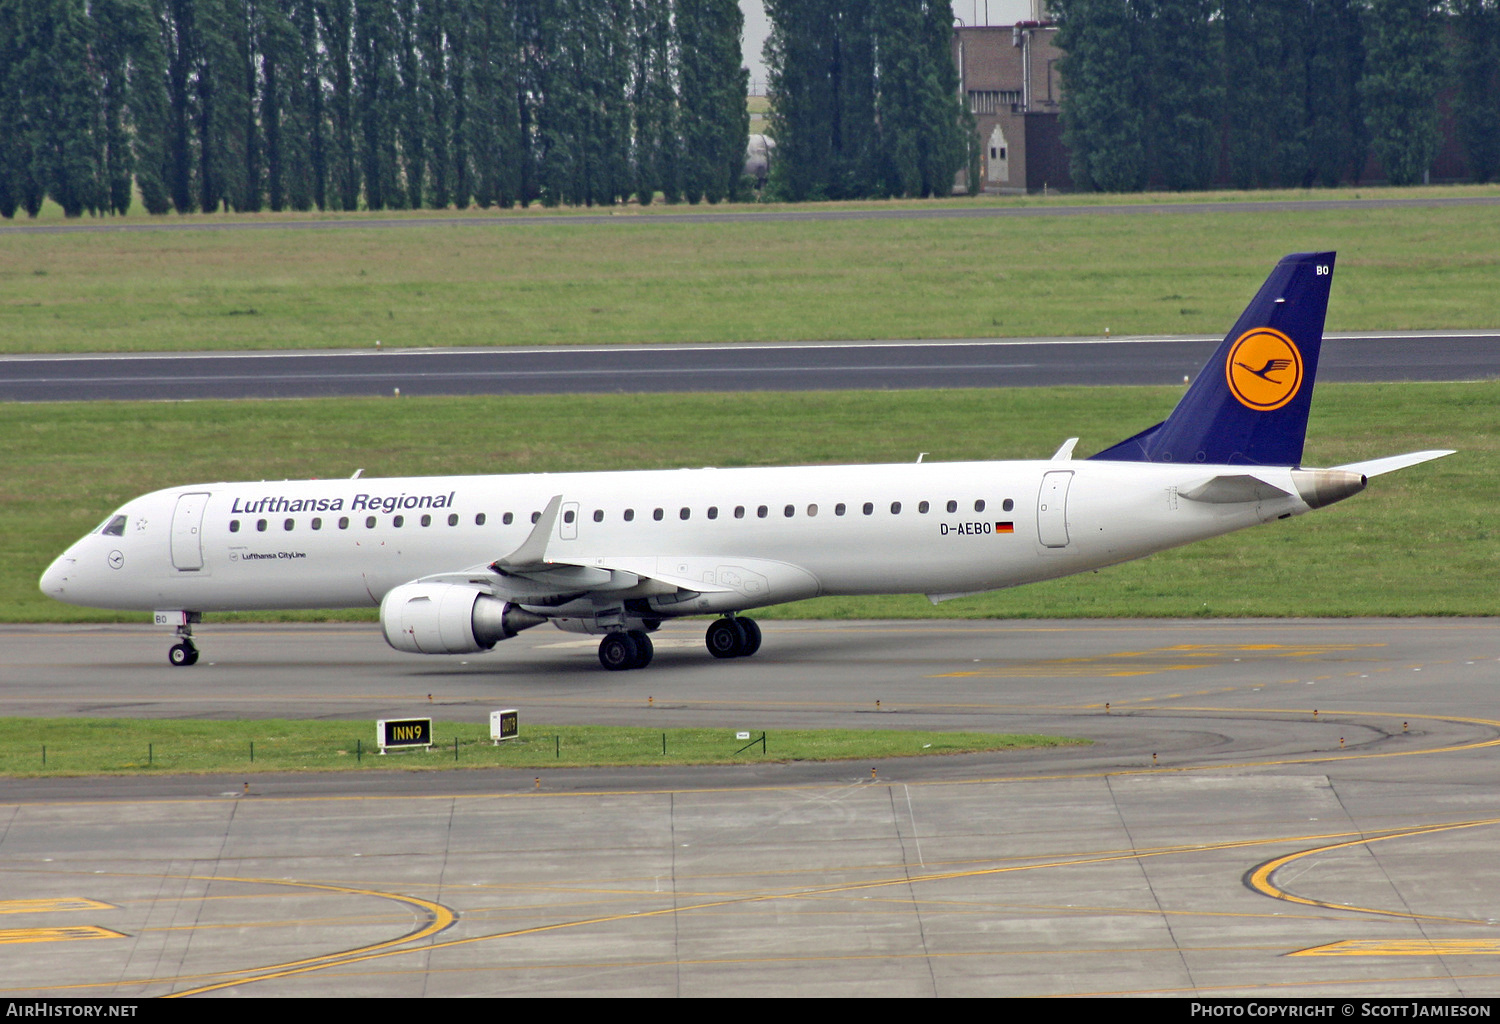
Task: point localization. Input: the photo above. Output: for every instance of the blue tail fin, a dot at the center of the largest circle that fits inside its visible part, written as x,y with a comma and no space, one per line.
1249,404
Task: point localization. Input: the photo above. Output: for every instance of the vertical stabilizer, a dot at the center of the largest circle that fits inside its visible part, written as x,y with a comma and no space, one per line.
1249,404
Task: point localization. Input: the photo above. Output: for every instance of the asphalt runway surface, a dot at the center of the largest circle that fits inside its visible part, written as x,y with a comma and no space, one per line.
1275,808
625,217
1446,356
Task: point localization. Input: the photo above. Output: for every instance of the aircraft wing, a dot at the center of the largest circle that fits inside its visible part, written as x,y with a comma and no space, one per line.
529,574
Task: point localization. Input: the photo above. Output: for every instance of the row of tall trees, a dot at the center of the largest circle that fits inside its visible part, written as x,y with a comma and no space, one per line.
864,99
1291,92
338,104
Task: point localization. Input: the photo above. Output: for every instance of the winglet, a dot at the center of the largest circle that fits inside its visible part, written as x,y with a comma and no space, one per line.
533,550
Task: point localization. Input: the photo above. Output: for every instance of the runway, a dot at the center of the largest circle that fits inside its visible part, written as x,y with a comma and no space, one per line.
1277,808
731,213
983,362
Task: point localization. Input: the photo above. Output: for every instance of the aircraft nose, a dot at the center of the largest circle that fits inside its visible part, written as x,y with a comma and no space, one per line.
55,579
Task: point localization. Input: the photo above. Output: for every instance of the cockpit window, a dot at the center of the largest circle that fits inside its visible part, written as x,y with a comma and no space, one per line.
114,528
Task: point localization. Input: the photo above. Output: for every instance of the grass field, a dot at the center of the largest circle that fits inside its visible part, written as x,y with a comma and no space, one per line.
46,747
520,281
1419,542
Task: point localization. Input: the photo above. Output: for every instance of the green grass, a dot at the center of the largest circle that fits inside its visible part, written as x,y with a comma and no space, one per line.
42,747
1419,542
648,280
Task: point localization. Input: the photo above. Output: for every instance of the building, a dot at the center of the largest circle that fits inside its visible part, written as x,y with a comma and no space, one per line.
1008,76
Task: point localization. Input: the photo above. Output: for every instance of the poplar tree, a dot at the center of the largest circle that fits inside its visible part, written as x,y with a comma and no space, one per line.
18,186
820,67
656,149
1404,70
1337,139
1186,93
714,118
1105,102
1476,108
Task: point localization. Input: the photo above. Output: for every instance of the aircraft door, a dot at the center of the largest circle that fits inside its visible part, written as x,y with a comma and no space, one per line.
187,532
1052,509
567,521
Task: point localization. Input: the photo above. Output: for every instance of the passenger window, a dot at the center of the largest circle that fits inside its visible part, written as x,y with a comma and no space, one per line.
508,518
343,522
287,526
598,515
739,511
568,516
838,509
922,507
479,519
789,511
1007,504
683,514
426,521
979,505
812,510
952,506
317,524
398,521
629,515
534,517
369,522
713,511
453,519
115,527
657,514
895,508
234,526
260,526
760,513
869,508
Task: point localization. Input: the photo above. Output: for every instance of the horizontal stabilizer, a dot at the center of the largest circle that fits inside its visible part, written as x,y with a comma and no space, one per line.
1391,463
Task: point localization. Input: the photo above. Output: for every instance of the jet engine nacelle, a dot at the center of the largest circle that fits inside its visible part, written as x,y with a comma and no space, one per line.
446,618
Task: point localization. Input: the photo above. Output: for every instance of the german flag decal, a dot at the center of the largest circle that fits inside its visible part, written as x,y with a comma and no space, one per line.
1005,527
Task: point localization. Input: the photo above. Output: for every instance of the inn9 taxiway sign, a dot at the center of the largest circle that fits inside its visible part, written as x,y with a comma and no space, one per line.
397,733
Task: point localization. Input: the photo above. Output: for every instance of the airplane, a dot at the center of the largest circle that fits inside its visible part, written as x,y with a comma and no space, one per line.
457,564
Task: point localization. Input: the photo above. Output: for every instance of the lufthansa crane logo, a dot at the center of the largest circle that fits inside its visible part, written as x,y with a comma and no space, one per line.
1264,369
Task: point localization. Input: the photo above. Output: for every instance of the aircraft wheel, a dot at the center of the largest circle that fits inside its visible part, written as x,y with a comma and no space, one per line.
751,629
183,654
725,638
618,652
644,648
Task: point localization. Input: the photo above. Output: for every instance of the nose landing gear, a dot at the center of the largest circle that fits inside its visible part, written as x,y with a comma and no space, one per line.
184,652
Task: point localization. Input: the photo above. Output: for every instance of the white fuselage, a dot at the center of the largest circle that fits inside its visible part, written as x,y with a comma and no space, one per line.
773,535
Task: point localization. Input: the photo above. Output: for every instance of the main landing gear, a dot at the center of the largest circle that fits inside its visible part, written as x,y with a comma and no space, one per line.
184,653
733,638
729,637
626,650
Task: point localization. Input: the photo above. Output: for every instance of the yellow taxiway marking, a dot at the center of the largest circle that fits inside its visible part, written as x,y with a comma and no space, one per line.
741,900
1405,947
11,936
1260,878
52,906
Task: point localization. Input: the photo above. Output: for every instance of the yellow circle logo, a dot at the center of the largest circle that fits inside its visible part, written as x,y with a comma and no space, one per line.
1264,369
